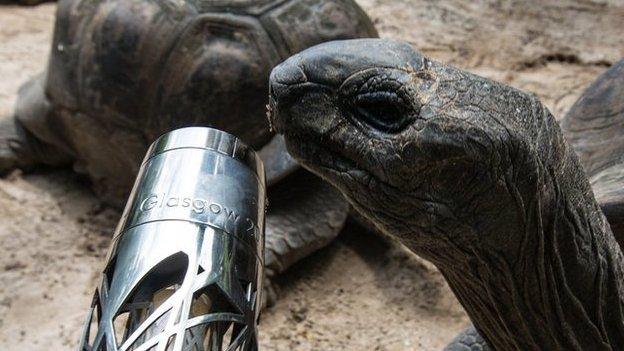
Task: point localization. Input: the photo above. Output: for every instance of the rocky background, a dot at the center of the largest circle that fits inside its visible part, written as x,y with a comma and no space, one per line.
362,292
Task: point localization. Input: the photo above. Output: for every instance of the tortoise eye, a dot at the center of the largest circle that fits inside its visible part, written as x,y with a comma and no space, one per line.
383,110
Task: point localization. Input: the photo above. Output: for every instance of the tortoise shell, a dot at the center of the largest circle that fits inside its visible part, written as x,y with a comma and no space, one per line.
123,72
595,128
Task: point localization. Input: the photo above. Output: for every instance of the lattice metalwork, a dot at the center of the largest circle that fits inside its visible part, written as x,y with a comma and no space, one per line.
184,278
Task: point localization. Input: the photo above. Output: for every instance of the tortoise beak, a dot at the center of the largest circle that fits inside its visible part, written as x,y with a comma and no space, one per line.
283,78
272,108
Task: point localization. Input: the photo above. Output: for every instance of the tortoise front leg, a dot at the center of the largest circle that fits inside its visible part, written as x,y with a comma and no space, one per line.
305,214
21,146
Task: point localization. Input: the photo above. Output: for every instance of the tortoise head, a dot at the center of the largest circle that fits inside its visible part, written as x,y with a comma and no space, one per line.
469,173
410,142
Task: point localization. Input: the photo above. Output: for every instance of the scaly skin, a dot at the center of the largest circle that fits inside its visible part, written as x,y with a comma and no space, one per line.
470,174
305,215
468,340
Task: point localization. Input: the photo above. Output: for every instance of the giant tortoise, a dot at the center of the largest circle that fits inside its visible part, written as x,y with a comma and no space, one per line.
476,177
122,72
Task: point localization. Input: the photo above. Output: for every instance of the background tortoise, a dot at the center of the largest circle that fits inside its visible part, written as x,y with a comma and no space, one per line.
476,177
123,72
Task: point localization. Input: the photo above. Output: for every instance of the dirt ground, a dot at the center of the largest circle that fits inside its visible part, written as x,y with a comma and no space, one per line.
362,292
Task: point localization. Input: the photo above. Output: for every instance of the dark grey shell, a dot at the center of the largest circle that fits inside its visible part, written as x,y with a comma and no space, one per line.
123,72
595,128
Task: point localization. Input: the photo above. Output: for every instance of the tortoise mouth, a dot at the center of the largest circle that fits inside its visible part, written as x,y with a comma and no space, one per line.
326,161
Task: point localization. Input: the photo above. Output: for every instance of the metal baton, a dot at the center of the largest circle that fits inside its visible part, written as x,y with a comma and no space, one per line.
185,268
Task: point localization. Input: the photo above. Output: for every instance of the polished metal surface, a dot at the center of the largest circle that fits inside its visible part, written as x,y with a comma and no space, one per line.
185,268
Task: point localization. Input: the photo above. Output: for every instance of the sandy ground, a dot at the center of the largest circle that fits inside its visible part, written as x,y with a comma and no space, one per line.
362,292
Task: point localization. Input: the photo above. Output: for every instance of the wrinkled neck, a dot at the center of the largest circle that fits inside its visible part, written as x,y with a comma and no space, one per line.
561,291
541,269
